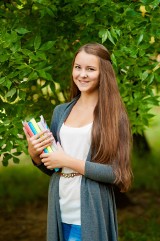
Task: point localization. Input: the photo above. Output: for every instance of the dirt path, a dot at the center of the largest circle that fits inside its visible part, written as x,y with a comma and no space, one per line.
26,223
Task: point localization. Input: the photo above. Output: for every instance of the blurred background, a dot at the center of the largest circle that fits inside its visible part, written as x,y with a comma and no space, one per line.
38,39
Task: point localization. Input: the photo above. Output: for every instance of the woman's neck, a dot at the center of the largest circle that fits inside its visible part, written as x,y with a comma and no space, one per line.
87,100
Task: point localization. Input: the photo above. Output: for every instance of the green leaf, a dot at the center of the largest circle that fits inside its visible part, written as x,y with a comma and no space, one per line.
113,33
47,45
45,75
103,35
17,153
110,37
50,12
42,74
7,83
33,76
144,75
37,42
4,57
90,20
27,52
22,94
150,79
16,160
118,31
140,39
6,158
14,37
22,31
155,3
113,58
2,80
41,55
11,93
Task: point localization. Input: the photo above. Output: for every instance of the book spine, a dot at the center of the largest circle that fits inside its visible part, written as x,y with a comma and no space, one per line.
32,128
34,123
28,129
42,129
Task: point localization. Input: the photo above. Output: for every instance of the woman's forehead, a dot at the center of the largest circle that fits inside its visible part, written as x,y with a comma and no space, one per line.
84,58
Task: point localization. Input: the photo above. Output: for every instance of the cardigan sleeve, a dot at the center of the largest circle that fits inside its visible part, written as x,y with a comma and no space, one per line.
99,172
43,168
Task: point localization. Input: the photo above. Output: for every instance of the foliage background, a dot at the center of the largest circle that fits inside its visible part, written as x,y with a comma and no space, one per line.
38,39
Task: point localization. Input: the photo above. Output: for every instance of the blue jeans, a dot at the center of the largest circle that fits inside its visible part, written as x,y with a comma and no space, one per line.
71,232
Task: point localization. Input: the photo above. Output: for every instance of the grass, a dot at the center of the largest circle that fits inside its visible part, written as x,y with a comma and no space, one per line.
141,221
22,184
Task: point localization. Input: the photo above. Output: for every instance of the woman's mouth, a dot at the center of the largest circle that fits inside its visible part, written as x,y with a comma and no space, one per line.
83,82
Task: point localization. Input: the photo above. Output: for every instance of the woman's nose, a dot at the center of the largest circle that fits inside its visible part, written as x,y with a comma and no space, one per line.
83,74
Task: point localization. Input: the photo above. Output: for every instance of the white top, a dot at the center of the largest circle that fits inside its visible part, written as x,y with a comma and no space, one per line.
76,142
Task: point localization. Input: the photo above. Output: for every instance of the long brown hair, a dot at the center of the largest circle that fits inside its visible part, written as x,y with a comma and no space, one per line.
111,135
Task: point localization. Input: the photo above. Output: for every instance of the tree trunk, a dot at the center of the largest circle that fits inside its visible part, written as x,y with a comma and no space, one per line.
140,145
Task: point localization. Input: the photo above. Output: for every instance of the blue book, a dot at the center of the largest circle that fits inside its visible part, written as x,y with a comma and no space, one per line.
32,128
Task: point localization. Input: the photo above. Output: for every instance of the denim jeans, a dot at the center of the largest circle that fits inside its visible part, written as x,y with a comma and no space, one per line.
71,232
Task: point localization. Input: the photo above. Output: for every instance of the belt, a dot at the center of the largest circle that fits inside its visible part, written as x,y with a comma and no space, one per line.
68,175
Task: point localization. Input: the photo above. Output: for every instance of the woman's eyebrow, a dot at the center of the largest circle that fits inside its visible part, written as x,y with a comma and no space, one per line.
91,66
88,66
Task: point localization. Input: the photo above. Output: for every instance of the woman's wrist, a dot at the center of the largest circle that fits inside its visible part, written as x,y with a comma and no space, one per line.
36,160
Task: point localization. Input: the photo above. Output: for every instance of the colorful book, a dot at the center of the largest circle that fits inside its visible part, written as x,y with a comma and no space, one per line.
36,129
33,128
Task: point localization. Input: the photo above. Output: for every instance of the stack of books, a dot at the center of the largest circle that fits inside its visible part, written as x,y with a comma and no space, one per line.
33,128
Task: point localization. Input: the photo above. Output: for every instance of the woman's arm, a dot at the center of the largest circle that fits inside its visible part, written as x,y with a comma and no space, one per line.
99,172
95,171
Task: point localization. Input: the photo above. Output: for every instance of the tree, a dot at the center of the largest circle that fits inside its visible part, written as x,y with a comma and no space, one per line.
37,42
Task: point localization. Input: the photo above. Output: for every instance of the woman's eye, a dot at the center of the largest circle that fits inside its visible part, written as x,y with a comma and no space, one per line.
77,67
90,69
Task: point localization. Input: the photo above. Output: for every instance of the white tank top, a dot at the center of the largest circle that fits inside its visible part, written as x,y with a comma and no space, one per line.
75,142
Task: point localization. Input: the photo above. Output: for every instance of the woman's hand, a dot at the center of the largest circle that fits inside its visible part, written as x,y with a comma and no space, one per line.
59,159
56,159
37,143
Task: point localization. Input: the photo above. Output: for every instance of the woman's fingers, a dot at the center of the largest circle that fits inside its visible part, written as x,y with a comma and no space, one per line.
47,163
44,142
42,134
37,143
39,138
44,160
26,133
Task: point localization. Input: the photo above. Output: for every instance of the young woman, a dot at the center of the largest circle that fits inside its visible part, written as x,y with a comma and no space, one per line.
93,152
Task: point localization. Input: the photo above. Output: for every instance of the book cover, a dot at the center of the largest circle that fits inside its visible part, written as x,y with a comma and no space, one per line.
33,128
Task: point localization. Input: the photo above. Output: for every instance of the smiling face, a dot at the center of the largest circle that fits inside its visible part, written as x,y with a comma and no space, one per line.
85,72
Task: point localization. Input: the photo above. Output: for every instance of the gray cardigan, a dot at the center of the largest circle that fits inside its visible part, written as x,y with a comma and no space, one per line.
98,209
